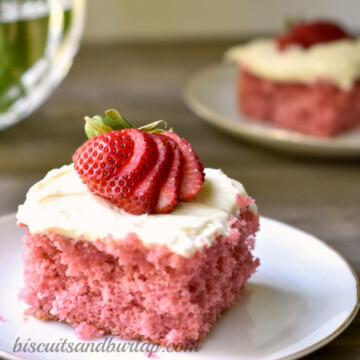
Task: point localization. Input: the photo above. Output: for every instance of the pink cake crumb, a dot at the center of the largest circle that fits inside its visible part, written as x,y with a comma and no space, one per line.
320,108
86,332
132,291
1,318
244,201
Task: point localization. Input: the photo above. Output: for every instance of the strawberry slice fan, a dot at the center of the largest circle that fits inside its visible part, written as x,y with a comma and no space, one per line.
144,170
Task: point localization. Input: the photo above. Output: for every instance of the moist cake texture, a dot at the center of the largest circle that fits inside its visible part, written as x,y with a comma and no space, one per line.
161,277
321,109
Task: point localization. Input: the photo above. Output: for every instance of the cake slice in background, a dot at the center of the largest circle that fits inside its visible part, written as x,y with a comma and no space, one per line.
107,267
306,80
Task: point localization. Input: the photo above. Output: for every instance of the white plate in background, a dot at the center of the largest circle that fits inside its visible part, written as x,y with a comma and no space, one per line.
303,295
210,93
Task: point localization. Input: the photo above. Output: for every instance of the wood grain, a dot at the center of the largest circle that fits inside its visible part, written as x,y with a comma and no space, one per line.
144,82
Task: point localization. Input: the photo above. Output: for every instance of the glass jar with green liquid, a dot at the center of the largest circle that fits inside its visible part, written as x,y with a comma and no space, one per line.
38,40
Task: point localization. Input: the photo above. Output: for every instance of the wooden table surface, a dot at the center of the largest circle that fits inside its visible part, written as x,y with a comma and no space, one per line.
144,82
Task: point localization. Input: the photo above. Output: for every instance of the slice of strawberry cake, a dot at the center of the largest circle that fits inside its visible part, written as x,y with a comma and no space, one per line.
135,238
307,80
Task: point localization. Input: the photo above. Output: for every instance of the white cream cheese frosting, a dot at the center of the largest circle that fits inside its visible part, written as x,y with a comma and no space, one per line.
61,203
337,62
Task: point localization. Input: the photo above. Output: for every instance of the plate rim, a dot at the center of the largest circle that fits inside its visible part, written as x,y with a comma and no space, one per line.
296,355
345,324
298,143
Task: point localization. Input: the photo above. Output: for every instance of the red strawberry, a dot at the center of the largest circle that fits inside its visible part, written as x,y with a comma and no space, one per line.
139,170
193,171
145,195
307,34
113,163
170,190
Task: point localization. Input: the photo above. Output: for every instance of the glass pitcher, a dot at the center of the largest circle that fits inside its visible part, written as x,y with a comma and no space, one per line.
38,41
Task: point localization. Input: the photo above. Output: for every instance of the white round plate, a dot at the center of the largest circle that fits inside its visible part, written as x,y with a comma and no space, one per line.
210,93
303,295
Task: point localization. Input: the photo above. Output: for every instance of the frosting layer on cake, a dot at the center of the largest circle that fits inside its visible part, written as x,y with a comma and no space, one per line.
337,62
61,203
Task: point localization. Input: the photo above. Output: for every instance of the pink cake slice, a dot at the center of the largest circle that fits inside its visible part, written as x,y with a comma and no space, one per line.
136,290
319,108
307,79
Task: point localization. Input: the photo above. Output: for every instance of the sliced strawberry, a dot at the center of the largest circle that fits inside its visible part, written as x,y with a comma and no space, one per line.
193,171
142,161
141,170
145,195
170,190
95,159
112,164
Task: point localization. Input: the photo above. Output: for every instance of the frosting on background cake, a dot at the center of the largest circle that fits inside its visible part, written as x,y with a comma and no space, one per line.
337,62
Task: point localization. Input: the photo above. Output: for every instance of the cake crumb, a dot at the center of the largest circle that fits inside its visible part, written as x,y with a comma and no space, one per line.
26,319
1,318
86,332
